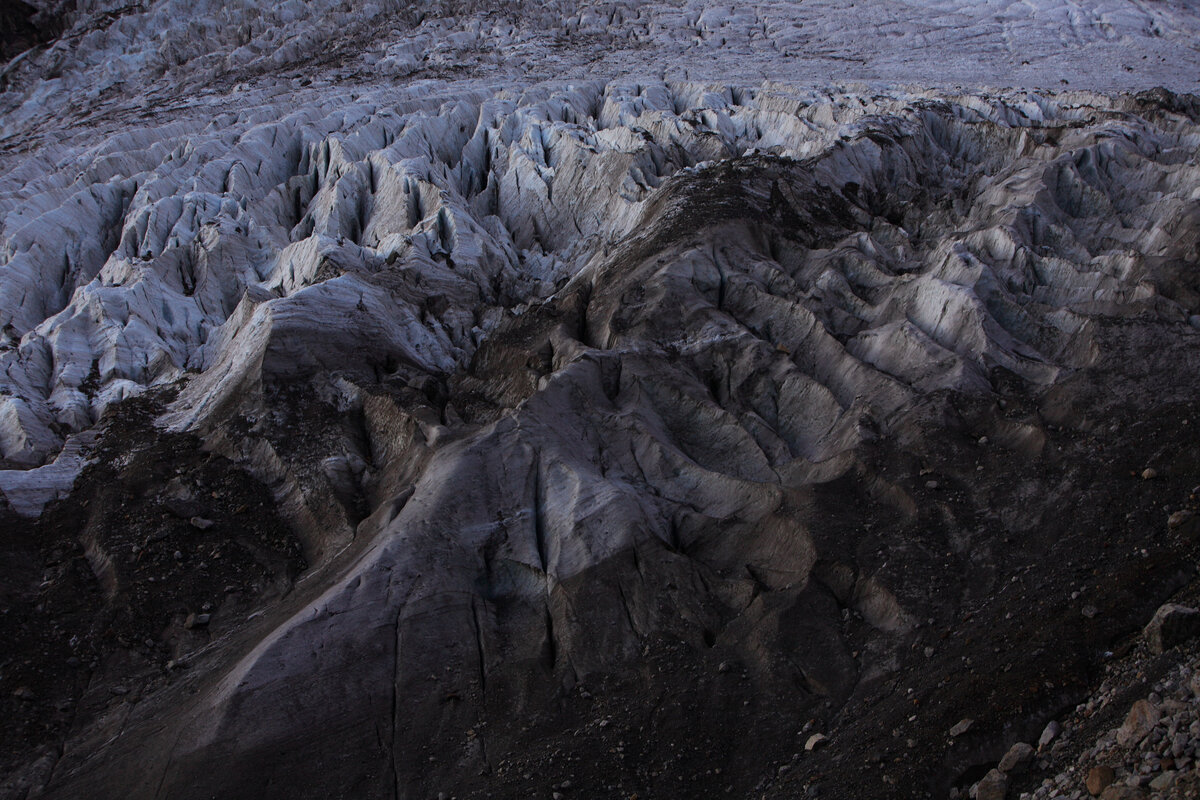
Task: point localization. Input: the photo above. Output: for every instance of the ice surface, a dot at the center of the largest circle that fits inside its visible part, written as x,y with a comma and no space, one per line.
143,62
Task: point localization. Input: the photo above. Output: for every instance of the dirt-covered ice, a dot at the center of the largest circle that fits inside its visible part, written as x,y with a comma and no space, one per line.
585,399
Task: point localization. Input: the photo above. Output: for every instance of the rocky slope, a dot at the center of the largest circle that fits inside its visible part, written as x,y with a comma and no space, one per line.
594,439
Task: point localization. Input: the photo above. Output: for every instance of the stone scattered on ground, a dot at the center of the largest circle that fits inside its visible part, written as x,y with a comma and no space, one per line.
1051,731
1143,716
1099,778
961,727
1171,625
1137,737
1177,519
1017,755
994,786
196,620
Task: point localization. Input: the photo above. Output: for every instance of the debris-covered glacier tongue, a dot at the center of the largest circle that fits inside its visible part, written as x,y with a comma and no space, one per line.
390,428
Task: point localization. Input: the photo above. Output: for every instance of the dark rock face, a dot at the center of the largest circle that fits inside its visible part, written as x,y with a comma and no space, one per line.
848,443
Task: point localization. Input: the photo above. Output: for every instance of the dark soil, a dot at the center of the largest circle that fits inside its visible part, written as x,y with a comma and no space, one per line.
99,590
21,27
1031,571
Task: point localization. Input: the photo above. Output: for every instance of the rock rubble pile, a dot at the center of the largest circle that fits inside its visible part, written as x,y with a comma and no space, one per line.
1151,754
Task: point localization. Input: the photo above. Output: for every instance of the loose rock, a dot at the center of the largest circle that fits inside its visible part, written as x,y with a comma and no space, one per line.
1120,792
815,741
1143,716
196,620
1177,519
994,786
1051,730
1171,625
1018,754
1163,782
1100,778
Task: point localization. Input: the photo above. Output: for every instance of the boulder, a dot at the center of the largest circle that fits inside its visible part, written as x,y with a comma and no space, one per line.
1018,754
1171,625
1099,778
195,620
1143,716
994,786
1049,733
1163,782
1178,519
1122,792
